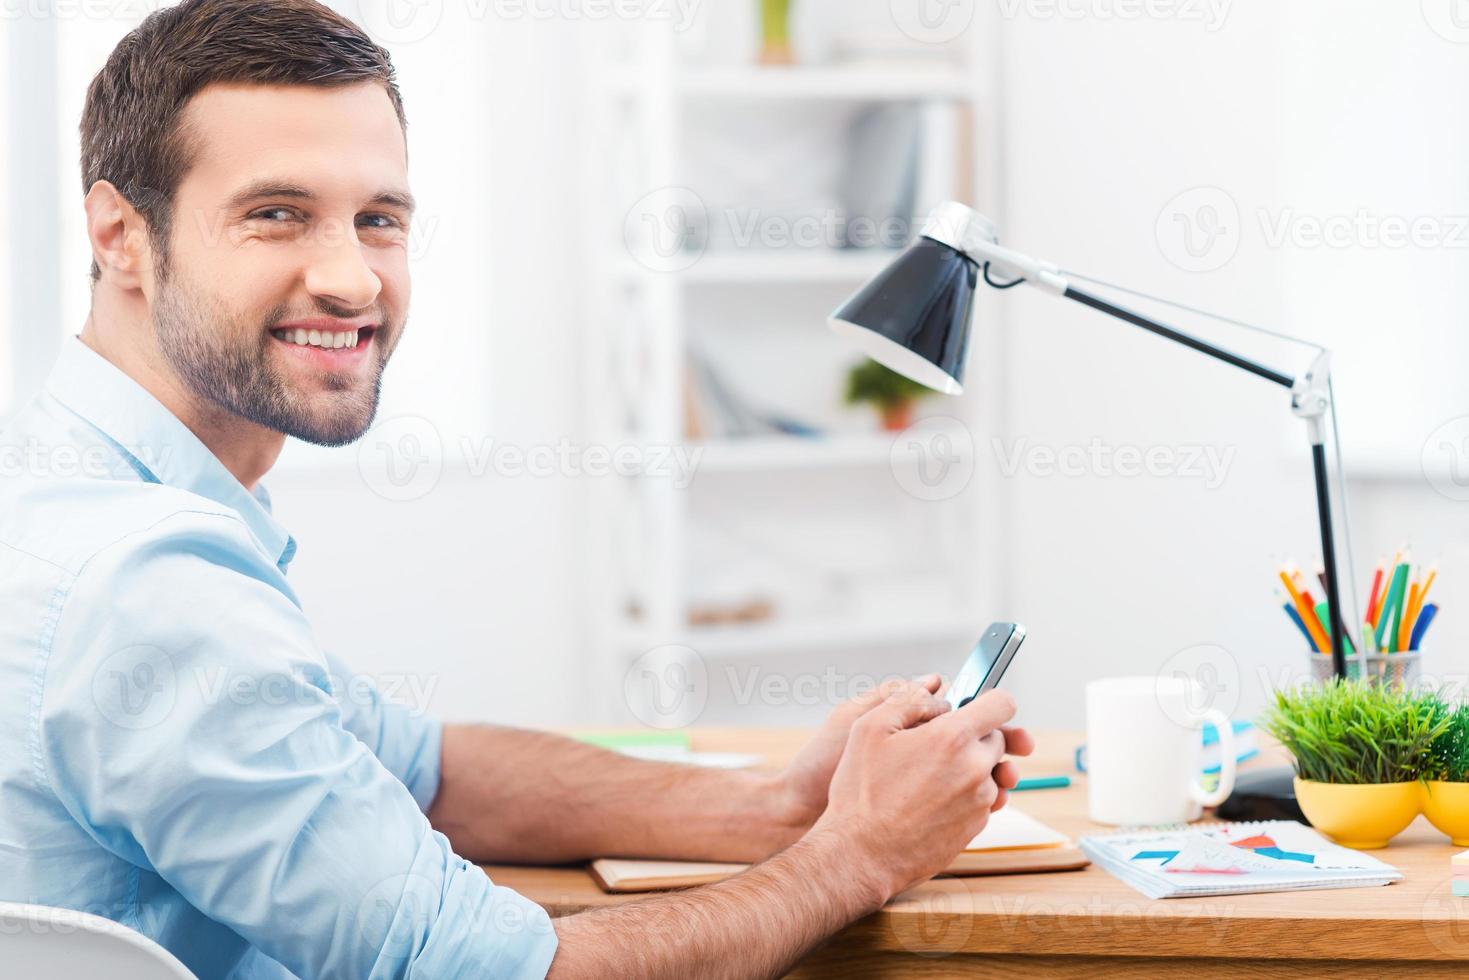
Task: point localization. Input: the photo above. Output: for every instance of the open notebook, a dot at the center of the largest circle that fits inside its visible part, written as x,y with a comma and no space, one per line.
1012,843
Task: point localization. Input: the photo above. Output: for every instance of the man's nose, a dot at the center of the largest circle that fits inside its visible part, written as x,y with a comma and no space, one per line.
339,272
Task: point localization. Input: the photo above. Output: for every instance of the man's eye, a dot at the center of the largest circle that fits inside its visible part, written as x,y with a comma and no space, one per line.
378,221
275,214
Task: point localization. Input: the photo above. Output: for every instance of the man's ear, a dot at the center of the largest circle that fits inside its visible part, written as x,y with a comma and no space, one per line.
119,236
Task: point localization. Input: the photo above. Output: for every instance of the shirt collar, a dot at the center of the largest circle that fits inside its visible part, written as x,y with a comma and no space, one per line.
156,444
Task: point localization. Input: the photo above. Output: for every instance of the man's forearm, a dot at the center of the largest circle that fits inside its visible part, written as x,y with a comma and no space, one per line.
751,926
520,796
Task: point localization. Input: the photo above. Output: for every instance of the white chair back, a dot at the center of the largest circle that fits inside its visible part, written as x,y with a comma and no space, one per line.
62,944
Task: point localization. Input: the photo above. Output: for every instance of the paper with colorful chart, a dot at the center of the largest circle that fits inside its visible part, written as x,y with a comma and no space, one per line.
1215,859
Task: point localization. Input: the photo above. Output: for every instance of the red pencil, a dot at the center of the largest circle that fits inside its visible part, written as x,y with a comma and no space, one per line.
1372,596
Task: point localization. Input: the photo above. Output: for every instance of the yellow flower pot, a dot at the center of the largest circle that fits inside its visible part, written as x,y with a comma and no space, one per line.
1447,807
1363,816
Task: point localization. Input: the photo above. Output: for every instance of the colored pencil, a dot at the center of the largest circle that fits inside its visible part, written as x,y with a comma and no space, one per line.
1044,782
1315,607
1295,617
1391,606
1323,613
1308,615
1424,621
1410,614
1423,592
1373,595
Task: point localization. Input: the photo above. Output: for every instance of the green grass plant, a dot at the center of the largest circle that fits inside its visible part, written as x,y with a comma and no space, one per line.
1355,733
1451,749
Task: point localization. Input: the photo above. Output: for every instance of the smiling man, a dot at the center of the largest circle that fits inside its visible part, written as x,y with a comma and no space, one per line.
176,751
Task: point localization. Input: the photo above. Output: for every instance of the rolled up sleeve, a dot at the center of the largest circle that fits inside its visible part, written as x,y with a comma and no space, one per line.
189,723
404,737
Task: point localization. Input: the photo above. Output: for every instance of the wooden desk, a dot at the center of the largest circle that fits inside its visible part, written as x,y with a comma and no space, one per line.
1087,923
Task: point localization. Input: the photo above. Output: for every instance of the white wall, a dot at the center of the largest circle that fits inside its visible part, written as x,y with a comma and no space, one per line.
1107,123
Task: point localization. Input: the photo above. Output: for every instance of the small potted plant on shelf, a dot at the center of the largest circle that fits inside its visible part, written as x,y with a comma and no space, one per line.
1360,751
1446,793
775,31
893,395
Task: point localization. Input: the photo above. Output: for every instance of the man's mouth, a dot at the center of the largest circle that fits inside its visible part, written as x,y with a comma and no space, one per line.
324,339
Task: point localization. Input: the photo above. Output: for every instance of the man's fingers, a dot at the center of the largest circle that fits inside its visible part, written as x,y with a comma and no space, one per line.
985,713
1018,741
846,714
905,708
1000,800
1007,775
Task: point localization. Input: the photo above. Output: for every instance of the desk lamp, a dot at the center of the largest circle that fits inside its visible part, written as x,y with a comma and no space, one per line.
914,317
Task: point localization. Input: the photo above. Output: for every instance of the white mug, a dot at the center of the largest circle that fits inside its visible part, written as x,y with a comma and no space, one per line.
1144,747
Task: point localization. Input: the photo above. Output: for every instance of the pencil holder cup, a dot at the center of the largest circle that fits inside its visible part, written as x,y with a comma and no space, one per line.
1396,670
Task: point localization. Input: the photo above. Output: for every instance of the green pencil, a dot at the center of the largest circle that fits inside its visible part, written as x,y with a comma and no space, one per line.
1394,601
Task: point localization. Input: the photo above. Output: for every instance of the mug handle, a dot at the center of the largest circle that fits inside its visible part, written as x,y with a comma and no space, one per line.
1226,761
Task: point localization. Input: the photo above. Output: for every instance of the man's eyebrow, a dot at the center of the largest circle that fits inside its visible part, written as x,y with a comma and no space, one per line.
270,188
395,199
280,189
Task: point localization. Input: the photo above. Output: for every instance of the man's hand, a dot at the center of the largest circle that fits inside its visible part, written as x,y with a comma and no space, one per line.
917,782
805,782
904,783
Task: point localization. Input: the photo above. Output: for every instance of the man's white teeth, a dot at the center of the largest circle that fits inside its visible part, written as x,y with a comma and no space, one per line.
326,339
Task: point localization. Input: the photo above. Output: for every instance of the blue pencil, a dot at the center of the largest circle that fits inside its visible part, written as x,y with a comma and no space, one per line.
1295,617
1425,618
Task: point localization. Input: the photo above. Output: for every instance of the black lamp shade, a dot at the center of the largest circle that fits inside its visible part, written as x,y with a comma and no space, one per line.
914,316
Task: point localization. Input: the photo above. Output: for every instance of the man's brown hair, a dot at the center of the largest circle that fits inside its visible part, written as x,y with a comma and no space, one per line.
130,126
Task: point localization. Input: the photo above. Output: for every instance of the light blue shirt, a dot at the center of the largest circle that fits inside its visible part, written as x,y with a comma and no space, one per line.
177,753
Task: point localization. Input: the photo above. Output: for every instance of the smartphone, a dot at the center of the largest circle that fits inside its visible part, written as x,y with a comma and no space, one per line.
986,663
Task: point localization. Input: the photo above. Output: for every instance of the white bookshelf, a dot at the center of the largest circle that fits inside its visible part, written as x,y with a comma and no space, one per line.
647,319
